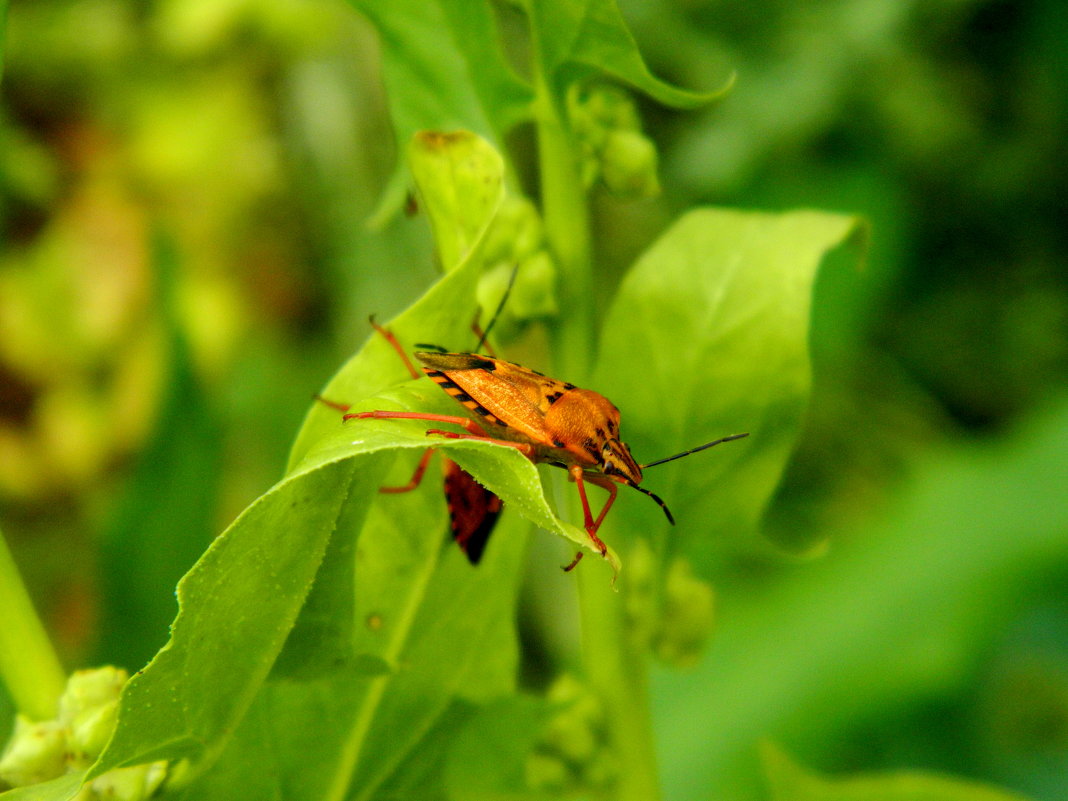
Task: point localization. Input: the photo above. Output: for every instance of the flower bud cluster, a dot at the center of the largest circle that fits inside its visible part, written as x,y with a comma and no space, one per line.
687,614
614,149
674,620
573,753
43,750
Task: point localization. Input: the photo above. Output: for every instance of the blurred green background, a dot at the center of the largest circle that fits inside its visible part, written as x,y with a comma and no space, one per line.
185,187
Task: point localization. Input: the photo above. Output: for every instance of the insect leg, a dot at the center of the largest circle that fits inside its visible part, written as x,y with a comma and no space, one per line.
417,476
483,346
341,407
379,414
605,484
392,340
523,447
590,524
571,565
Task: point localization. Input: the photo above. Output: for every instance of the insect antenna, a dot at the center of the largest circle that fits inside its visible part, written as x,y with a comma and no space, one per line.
687,453
655,497
500,306
428,346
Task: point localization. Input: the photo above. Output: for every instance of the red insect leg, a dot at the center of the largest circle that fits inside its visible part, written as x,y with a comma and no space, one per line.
341,407
592,526
417,476
420,469
524,448
392,340
476,431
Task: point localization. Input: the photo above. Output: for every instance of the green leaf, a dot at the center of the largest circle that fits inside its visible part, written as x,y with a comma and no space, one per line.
791,782
488,754
460,180
351,734
418,614
708,336
462,646
444,70
236,607
62,789
578,39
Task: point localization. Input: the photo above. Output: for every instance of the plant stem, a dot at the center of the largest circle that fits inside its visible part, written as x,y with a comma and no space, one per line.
616,668
567,230
28,663
614,665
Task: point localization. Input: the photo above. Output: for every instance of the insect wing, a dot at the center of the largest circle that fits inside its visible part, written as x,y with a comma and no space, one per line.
499,392
473,510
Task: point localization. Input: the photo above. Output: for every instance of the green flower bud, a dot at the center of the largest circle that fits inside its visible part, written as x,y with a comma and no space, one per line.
35,753
588,129
572,739
573,751
89,689
88,735
687,616
547,772
628,165
128,784
567,691
596,110
88,709
576,733
613,107
602,771
639,601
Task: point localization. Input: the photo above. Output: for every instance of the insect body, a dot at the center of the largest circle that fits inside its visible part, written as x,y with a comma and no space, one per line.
547,420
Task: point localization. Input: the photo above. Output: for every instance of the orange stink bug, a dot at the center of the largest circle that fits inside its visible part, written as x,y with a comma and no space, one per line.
545,419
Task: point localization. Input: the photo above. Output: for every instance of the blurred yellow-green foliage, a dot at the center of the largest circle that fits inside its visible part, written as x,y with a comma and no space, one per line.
185,189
